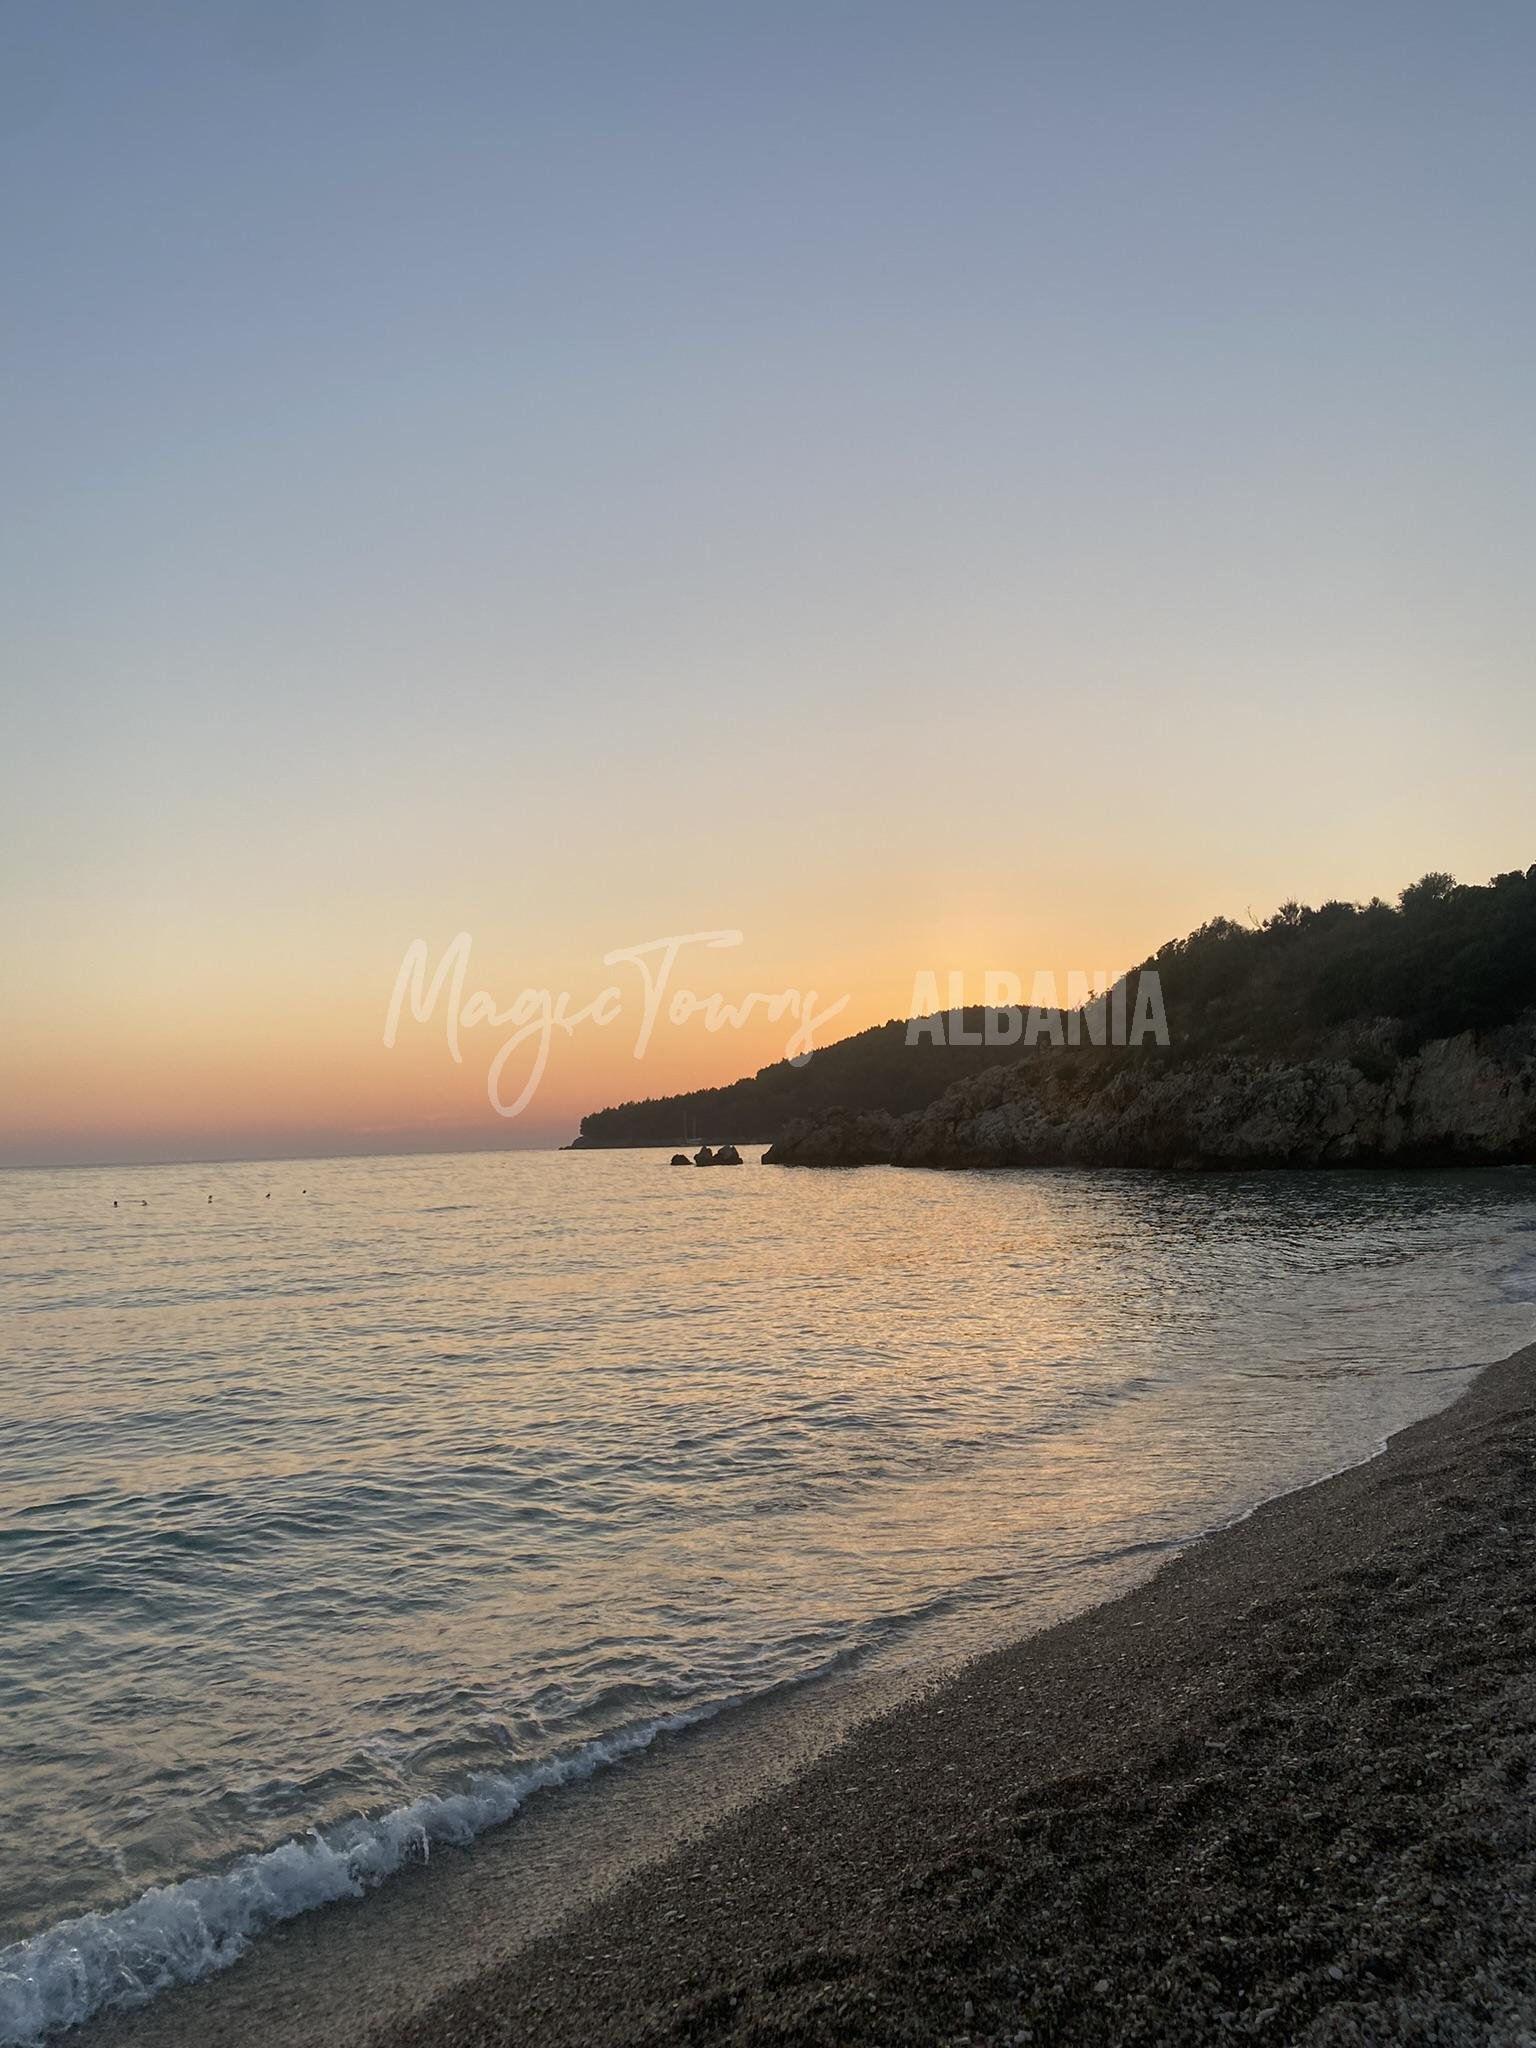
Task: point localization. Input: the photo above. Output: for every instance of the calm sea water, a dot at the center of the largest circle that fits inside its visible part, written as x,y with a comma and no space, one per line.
342,1509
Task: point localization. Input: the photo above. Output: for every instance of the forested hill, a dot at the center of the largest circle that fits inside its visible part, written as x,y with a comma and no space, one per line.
1370,982
875,1069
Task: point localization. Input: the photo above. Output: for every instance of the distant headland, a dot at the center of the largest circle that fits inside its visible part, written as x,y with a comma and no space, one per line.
1345,1034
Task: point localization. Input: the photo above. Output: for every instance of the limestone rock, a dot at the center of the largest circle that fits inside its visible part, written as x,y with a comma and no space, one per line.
1469,1100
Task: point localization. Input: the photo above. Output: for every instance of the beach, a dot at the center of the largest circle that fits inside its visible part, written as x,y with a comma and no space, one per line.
1280,1790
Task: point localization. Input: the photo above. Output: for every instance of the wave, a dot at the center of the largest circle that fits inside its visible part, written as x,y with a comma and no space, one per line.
178,1933
182,1932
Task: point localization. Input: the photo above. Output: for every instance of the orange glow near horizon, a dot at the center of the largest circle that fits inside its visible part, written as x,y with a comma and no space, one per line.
488,480
180,1052
239,1062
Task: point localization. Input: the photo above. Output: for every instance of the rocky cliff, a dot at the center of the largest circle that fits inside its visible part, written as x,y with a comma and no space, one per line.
1468,1100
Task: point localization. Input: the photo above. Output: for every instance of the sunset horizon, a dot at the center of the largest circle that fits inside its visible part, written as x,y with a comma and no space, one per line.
590,1066
1068,495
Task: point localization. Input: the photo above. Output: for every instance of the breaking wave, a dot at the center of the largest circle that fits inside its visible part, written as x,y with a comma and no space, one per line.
177,1933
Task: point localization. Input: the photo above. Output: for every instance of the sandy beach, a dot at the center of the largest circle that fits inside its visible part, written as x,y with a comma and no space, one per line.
1283,1790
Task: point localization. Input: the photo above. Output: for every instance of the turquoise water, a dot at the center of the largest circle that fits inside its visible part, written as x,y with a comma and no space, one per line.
338,1511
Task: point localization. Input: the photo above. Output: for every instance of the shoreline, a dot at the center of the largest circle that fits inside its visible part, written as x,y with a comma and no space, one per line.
334,1970
863,1870
1282,1789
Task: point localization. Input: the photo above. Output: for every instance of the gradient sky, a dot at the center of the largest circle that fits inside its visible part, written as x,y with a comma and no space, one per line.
930,486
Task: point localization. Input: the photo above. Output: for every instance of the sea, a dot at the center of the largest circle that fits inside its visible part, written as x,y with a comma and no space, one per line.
347,1505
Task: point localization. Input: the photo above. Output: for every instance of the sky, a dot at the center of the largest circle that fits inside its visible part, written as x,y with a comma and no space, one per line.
928,487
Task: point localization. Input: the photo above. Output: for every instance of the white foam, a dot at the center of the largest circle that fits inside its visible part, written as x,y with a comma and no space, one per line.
177,1933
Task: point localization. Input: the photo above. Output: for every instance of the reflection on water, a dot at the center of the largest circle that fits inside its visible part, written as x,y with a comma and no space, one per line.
422,1469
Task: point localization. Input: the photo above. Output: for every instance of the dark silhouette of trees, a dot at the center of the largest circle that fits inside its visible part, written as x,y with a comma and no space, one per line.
1367,981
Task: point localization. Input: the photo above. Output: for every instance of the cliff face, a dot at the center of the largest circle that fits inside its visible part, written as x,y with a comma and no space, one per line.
1467,1100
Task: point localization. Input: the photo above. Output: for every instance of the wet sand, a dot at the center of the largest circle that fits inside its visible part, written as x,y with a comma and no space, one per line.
1282,1790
